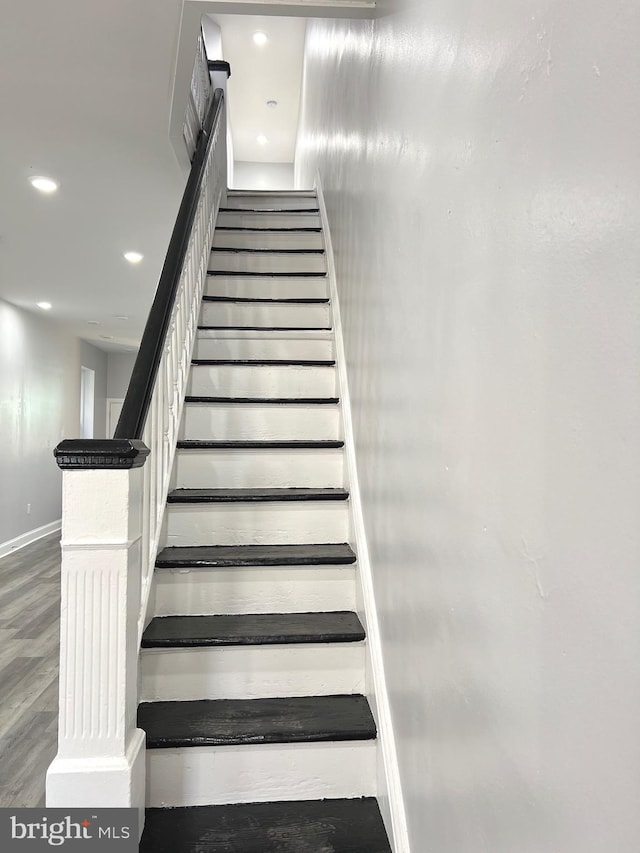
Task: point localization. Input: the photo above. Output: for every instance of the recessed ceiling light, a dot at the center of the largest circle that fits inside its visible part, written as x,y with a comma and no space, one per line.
262,139
133,257
44,185
272,104
46,306
260,38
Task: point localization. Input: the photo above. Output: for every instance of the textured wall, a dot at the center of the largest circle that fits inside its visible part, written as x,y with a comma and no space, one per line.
480,162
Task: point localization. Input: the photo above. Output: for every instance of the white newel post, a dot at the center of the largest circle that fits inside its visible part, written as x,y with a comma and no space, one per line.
101,756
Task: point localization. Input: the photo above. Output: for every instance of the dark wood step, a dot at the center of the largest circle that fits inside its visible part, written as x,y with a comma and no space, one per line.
230,556
204,444
270,251
228,722
269,210
312,300
257,193
247,274
265,362
252,629
307,826
307,230
195,496
265,328
271,401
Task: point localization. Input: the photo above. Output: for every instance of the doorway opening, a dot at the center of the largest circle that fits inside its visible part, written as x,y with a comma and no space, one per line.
87,401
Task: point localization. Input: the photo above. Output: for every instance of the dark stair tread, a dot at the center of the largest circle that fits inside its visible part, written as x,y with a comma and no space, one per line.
306,230
263,274
311,300
254,495
264,362
269,210
205,444
308,826
249,274
228,556
255,192
269,251
246,629
316,401
265,328
225,722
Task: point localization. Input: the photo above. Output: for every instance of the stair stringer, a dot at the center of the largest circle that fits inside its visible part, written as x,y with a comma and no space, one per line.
389,787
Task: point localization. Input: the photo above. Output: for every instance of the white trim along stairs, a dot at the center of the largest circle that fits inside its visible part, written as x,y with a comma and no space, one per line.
255,669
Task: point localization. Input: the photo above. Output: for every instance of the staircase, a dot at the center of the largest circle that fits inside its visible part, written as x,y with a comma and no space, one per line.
259,737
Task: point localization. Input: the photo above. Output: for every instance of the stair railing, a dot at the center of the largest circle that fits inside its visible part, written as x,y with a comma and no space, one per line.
114,493
199,98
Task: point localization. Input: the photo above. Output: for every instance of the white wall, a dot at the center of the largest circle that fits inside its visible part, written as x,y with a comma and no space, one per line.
262,176
212,37
481,168
96,359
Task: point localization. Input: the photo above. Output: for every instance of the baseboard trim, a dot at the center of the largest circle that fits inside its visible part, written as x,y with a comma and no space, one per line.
12,545
389,786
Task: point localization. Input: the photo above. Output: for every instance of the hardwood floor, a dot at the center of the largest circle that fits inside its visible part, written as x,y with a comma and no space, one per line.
29,648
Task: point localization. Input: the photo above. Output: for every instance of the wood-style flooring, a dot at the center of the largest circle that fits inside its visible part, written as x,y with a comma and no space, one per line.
29,649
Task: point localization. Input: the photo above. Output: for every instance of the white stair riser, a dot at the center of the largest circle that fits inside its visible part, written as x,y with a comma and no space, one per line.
261,239
267,262
264,315
262,381
264,335
271,202
193,776
263,348
239,219
309,193
255,469
277,523
267,287
255,589
261,423
252,672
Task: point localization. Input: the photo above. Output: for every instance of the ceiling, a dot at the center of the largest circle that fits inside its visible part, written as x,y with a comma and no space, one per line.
85,91
272,71
88,93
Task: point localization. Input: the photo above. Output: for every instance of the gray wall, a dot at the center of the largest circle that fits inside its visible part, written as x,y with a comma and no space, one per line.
482,175
39,406
119,367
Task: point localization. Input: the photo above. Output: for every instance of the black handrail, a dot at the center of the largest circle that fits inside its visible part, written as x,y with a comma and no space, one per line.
126,449
138,398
